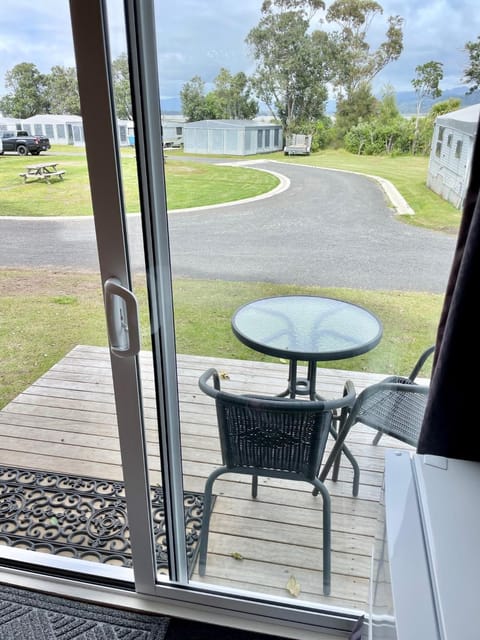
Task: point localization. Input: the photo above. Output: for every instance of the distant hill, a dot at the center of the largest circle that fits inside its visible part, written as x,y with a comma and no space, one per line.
170,106
406,101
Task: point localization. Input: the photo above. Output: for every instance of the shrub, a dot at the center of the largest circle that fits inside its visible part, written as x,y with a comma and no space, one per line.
377,137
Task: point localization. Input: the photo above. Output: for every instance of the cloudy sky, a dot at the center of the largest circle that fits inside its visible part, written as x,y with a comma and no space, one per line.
198,37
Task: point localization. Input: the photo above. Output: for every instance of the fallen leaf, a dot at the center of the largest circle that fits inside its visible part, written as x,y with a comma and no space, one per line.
224,375
236,555
293,587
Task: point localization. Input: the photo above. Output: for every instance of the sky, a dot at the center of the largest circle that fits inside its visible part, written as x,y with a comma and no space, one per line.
198,37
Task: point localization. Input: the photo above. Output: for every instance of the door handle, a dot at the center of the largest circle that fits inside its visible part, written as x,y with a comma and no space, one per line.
122,319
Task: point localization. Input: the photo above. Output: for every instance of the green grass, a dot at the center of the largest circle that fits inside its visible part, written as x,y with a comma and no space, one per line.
188,184
192,184
45,314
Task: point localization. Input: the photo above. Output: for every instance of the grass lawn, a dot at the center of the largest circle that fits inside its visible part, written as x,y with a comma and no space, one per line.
192,184
188,184
45,314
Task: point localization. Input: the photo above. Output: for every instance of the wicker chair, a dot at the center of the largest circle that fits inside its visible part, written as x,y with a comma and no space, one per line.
395,406
274,437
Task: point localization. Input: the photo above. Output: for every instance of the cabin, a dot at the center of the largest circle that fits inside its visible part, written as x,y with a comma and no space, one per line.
451,153
59,128
232,137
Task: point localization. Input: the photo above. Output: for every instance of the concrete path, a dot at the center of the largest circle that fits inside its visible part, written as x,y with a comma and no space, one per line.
322,227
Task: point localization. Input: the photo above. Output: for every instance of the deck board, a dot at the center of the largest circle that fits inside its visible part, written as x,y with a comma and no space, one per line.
65,422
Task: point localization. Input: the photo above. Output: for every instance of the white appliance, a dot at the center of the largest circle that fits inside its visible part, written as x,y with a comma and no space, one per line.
426,561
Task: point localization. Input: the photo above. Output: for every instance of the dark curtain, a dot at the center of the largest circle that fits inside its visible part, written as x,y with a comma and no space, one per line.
451,425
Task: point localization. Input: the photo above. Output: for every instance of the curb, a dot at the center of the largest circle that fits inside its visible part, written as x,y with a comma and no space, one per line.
397,201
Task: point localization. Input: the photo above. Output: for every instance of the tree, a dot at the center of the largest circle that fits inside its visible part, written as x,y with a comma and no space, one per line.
354,63
426,85
426,82
27,92
385,133
121,87
359,106
192,97
231,98
291,71
61,91
446,106
233,94
472,72
388,108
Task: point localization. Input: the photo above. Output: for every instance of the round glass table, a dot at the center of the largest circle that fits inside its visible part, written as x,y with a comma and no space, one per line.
306,329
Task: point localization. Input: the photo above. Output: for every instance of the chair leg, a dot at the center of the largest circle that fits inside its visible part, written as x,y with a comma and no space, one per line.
207,507
327,525
336,467
376,439
338,449
356,469
254,486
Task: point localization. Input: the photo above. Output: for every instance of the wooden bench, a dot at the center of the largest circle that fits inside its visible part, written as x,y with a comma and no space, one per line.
41,176
54,173
28,175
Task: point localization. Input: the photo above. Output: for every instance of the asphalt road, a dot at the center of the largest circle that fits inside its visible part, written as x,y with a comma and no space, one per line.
328,228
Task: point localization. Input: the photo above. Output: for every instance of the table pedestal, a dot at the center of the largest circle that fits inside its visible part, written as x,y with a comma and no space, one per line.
301,386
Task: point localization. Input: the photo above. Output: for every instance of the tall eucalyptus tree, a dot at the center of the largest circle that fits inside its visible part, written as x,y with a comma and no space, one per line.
291,72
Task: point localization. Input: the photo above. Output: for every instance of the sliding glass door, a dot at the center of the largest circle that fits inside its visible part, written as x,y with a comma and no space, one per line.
128,417
167,427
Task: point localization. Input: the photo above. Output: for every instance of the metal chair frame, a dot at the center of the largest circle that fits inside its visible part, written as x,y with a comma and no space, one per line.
395,406
272,437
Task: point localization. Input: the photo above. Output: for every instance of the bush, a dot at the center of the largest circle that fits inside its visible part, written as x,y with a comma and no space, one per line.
378,138
323,134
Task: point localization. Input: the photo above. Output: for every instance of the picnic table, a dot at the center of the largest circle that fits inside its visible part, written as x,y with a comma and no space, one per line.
44,171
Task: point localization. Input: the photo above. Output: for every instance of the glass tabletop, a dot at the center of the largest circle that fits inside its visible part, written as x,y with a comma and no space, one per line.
307,327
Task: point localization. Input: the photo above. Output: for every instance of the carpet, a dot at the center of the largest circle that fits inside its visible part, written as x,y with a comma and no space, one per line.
83,517
27,615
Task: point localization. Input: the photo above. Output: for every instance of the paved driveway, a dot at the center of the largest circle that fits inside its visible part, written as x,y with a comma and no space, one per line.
329,229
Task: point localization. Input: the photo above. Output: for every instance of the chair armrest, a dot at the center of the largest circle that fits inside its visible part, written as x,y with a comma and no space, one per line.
347,400
205,386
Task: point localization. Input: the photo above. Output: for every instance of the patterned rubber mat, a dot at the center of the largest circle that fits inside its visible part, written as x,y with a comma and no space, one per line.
83,517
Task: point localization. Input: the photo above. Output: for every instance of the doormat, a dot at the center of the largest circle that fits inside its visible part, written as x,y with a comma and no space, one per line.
83,517
28,615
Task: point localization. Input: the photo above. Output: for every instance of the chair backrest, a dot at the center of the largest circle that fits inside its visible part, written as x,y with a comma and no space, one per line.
396,405
278,435
393,408
420,362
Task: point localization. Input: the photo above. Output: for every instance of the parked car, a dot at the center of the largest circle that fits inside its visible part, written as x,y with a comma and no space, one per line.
23,143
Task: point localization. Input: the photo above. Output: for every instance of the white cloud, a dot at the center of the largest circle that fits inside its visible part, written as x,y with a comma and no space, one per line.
198,37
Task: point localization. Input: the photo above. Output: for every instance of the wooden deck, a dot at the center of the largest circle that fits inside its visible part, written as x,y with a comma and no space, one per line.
65,423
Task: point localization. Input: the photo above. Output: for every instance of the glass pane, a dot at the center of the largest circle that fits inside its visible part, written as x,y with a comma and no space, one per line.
318,234
61,474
